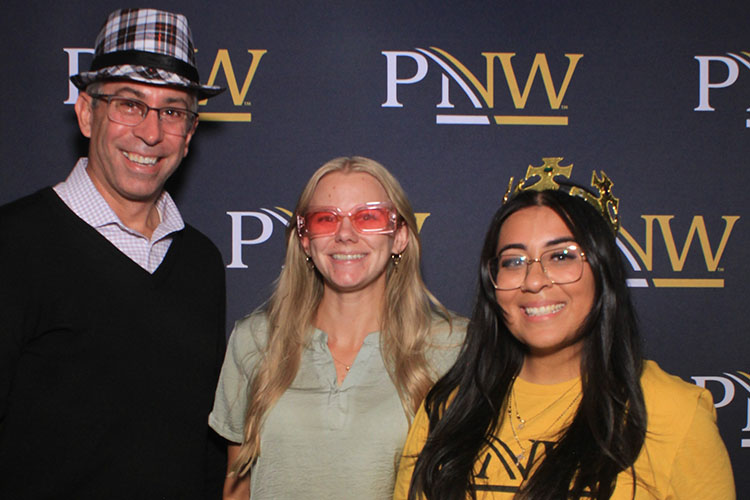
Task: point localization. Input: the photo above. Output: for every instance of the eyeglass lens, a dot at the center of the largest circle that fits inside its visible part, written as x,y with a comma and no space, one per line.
363,219
561,265
133,112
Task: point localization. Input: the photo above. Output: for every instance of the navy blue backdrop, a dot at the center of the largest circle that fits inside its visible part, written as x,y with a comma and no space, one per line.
453,97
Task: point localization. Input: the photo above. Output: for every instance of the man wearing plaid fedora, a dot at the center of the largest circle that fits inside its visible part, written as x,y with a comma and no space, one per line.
112,318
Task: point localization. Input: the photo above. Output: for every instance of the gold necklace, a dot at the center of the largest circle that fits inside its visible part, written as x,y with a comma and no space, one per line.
521,421
339,362
522,455
345,365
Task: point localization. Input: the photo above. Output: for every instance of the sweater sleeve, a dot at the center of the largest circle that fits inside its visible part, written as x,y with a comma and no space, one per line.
15,317
10,330
216,449
701,468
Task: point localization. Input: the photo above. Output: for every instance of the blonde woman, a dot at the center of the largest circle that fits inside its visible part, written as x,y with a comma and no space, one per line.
319,386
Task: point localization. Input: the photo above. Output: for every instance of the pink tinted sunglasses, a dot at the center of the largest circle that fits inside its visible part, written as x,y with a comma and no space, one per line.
376,217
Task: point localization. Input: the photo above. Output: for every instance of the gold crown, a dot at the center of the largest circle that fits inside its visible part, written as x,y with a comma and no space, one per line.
605,203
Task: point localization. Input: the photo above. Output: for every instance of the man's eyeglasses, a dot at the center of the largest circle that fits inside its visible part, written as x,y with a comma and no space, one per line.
561,265
132,112
368,218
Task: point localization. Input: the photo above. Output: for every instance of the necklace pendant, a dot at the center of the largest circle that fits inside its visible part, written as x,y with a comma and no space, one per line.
520,457
521,424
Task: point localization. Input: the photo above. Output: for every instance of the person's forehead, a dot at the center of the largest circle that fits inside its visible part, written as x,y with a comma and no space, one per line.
536,226
143,91
348,188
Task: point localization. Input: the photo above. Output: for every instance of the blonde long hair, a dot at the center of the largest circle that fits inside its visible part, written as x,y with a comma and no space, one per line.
405,328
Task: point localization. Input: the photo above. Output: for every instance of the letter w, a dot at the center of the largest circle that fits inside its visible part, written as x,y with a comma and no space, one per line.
540,64
698,226
222,60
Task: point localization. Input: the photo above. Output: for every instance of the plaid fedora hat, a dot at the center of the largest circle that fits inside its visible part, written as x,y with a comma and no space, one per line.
148,46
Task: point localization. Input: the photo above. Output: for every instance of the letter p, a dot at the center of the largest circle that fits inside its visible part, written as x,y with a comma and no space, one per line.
726,384
704,81
392,72
238,242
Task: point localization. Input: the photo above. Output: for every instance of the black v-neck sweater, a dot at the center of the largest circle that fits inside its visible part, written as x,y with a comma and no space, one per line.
107,372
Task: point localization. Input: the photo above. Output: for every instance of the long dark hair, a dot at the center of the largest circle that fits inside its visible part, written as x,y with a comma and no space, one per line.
465,407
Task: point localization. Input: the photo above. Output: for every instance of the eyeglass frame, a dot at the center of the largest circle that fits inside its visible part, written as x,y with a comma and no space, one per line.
108,98
528,261
394,219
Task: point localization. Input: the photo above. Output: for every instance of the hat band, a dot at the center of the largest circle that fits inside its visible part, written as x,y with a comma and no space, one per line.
149,59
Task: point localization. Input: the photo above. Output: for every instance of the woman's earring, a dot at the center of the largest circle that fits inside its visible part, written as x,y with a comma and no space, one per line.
395,258
310,263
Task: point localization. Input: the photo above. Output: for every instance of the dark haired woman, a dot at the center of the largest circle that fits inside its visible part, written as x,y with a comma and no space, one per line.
550,397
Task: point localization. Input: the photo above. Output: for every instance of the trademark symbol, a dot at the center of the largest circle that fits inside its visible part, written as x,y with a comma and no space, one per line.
720,269
564,106
246,103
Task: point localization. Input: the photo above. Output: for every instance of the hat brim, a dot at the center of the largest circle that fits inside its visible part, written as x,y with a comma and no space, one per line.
147,75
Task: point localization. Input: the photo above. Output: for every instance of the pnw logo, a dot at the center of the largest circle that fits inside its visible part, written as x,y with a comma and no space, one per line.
525,107
641,256
499,457
503,471
219,109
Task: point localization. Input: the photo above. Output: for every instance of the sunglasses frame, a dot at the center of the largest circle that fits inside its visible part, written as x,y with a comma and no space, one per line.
393,218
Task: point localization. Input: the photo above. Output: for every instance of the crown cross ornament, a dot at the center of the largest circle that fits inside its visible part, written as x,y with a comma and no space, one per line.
542,178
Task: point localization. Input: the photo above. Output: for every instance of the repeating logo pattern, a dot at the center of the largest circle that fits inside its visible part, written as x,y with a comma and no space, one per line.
256,227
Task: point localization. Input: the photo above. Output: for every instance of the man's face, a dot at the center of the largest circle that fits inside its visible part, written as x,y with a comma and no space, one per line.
131,163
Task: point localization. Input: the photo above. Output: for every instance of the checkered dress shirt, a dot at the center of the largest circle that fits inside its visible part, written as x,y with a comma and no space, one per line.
81,196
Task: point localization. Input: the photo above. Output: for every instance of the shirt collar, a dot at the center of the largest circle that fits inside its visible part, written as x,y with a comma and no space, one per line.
82,197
